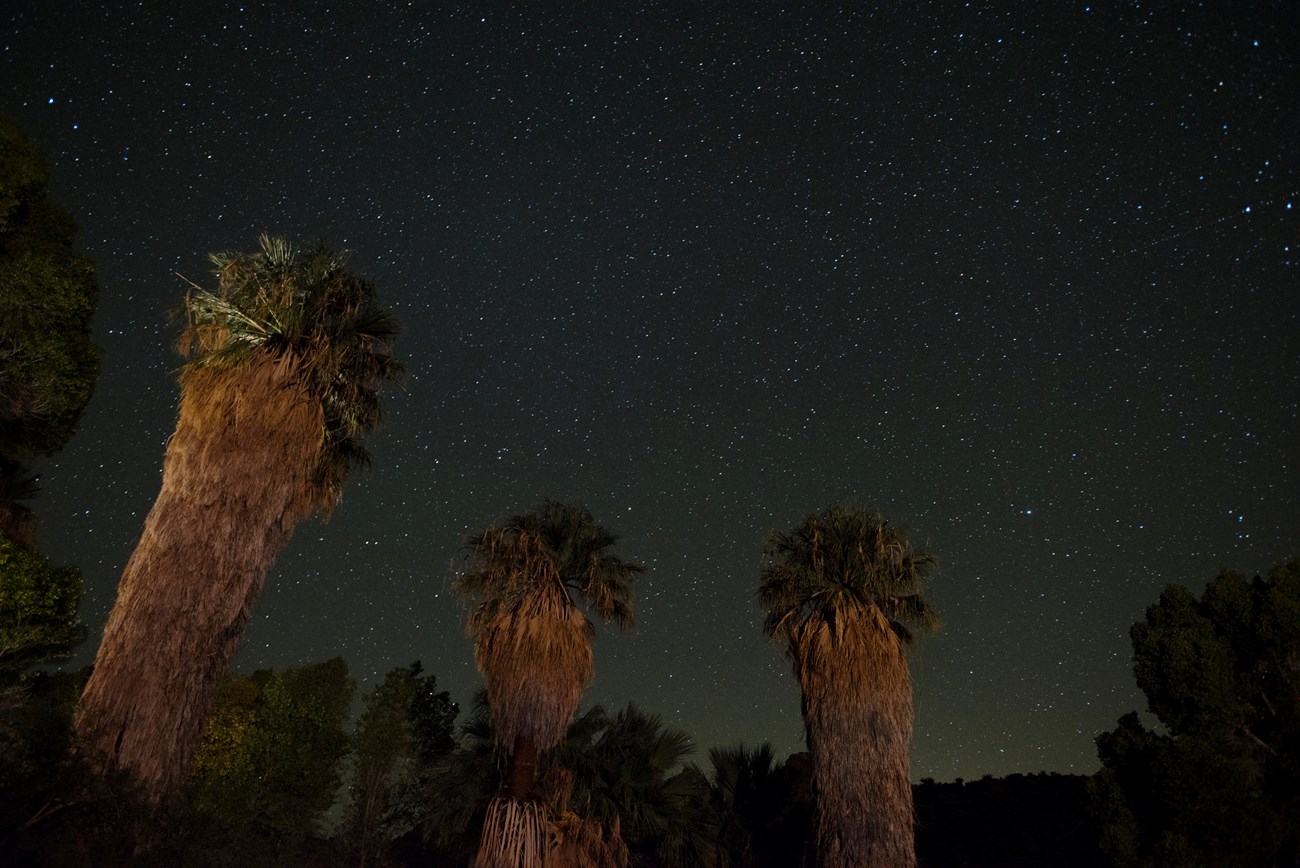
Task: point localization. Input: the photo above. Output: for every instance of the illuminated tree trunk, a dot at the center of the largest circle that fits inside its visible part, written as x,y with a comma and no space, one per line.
237,476
858,710
522,774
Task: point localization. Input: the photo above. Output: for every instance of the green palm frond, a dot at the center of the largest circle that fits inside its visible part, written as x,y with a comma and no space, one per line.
532,641
841,560
318,319
575,551
627,771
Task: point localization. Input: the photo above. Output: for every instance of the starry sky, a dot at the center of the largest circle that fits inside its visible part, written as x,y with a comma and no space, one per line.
1022,275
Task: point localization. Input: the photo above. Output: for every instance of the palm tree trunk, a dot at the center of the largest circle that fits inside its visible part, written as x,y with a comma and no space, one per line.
858,709
521,776
237,476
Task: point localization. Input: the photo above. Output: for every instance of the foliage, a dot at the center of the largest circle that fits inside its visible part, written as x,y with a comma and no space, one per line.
48,362
615,788
625,774
842,593
38,610
1219,783
762,809
269,766
407,725
839,561
532,642
460,786
319,319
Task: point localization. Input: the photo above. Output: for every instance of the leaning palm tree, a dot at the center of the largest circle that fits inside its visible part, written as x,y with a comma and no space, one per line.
842,592
532,642
285,358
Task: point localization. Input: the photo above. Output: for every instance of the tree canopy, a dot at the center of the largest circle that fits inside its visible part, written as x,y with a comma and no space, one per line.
1218,783
269,765
38,610
406,726
48,292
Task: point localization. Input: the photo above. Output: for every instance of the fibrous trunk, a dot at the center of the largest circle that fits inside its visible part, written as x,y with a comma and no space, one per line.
522,773
858,710
238,474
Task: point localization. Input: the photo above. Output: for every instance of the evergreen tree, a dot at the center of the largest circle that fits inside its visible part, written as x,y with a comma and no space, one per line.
48,362
1219,785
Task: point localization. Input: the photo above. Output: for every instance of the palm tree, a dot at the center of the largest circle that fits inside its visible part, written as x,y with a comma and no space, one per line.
615,788
842,592
285,359
620,782
741,795
532,643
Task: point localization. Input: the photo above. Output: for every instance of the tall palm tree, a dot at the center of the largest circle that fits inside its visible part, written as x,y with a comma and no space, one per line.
285,359
842,592
532,642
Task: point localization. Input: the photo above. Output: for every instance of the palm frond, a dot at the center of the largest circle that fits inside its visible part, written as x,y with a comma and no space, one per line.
322,324
843,558
532,641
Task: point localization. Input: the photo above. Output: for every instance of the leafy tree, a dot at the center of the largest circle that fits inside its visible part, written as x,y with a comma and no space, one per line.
285,360
532,643
460,787
48,292
268,768
406,726
38,610
842,592
1219,783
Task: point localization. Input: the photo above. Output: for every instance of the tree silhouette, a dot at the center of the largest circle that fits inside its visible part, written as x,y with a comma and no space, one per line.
1220,786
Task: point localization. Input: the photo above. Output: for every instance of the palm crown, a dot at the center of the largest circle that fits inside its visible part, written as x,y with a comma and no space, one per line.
532,641
321,323
840,561
558,547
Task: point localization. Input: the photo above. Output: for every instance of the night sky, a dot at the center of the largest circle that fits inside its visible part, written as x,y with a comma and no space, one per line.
1022,275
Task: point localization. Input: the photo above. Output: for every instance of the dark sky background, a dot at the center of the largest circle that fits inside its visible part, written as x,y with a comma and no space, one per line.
1023,275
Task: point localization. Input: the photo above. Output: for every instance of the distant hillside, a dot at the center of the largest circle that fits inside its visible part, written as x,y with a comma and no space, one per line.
1020,821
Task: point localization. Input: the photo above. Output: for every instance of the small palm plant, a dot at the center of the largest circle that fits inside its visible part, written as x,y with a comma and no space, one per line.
842,592
285,360
616,785
532,642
